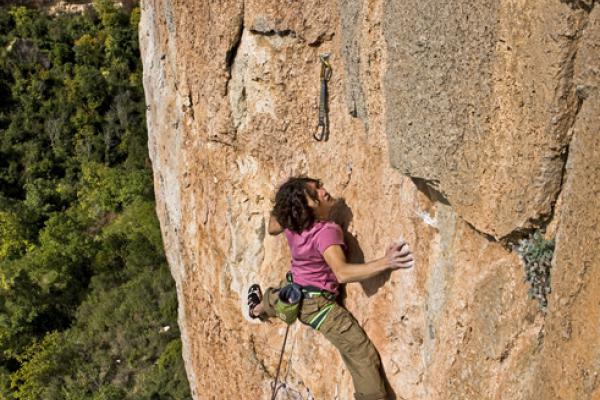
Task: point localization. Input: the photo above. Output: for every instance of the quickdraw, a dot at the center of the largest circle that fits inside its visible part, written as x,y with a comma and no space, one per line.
322,132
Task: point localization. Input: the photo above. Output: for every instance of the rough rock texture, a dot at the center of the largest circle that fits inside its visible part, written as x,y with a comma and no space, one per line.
483,103
572,345
453,124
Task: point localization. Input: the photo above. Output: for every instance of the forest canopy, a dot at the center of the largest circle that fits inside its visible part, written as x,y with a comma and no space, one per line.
87,304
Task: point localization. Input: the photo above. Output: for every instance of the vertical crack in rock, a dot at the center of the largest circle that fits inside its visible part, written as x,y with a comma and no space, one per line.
236,83
569,93
351,14
573,324
567,103
581,91
231,54
255,359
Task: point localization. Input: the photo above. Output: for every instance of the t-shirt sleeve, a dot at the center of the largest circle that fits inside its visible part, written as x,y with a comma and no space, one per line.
330,234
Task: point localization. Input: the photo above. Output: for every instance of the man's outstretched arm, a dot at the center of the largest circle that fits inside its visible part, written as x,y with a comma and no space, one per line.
397,256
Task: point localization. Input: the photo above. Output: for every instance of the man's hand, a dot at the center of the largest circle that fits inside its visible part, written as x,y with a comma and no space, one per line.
274,228
399,256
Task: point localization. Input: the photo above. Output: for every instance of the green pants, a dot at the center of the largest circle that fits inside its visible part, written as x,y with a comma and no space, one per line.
343,331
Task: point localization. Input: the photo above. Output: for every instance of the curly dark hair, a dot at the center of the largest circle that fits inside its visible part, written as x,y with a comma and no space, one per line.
291,208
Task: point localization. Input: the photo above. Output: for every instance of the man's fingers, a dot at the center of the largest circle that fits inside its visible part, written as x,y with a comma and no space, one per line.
406,264
402,264
403,261
404,251
399,244
400,255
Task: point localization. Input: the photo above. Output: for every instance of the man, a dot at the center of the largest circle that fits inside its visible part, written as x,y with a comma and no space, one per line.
301,212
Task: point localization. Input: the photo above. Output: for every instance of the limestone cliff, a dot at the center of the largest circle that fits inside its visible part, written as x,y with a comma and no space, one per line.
459,125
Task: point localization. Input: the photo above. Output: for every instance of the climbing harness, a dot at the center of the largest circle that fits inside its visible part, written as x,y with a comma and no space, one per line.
322,132
310,292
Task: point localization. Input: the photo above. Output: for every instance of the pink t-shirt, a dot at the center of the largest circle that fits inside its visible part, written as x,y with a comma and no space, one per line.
308,265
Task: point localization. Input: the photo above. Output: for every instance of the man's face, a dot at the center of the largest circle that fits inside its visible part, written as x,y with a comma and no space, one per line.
324,201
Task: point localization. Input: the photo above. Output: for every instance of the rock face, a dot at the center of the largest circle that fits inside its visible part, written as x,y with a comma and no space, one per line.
458,125
484,100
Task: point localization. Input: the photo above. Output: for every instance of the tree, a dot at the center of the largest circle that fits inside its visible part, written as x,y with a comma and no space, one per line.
85,292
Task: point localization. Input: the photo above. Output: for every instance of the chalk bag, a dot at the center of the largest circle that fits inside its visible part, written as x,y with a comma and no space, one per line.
288,302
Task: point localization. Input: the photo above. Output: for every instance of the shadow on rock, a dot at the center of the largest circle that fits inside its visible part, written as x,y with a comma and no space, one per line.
342,215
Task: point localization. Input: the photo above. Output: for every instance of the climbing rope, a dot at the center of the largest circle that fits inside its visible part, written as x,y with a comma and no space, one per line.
275,388
322,132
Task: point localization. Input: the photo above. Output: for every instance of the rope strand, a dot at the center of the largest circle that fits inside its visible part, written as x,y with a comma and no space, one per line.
275,388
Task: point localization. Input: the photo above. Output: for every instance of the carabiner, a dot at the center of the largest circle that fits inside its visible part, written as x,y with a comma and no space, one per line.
325,66
319,135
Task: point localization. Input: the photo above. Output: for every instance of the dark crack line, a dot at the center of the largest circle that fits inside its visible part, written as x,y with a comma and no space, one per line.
587,6
273,32
232,52
230,56
564,151
254,355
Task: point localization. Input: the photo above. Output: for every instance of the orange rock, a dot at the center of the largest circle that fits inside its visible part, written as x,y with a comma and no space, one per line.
449,126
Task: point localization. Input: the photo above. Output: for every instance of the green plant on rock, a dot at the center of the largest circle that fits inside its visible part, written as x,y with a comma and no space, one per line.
536,253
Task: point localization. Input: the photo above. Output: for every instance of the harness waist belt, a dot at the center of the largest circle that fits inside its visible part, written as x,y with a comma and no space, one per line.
312,291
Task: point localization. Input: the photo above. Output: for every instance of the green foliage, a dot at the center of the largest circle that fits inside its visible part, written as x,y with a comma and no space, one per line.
536,253
40,364
89,50
70,94
13,240
5,391
27,23
100,357
104,189
166,379
85,292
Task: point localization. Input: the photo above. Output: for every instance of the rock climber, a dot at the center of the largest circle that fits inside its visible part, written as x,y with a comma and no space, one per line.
301,211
